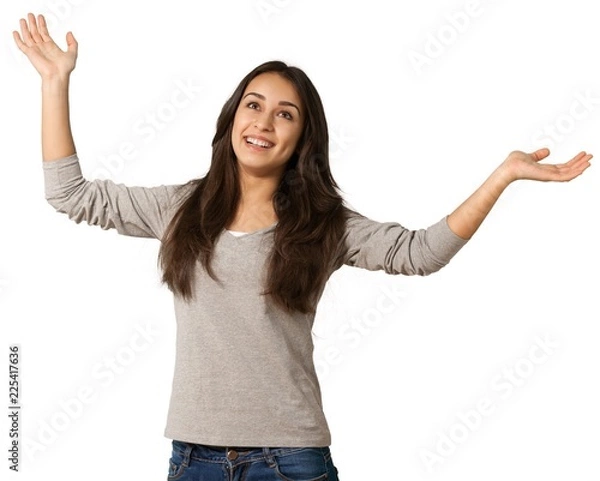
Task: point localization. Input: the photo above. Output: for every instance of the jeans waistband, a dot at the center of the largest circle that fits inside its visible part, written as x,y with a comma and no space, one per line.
225,448
217,452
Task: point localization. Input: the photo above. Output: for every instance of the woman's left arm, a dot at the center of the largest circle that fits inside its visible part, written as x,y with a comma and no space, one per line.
467,218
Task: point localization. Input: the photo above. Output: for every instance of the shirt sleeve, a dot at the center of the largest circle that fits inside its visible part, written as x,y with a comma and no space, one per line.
132,211
390,247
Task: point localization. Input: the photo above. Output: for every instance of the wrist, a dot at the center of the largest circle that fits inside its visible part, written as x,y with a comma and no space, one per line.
495,184
503,176
55,83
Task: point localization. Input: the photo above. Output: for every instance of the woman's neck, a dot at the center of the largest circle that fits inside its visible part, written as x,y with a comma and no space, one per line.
253,216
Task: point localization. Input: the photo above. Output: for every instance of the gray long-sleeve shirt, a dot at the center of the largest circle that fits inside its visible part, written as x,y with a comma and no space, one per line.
244,371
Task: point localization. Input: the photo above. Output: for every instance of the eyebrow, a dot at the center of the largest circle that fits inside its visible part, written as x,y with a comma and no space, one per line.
281,102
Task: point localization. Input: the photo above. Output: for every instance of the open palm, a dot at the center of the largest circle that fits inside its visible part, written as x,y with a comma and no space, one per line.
521,165
47,58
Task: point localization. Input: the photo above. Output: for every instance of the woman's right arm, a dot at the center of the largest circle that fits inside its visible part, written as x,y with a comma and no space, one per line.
57,139
55,67
133,211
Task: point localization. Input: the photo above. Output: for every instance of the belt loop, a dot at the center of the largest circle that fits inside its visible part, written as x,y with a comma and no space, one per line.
269,458
187,454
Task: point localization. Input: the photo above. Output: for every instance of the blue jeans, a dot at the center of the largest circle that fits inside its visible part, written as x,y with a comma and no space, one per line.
199,462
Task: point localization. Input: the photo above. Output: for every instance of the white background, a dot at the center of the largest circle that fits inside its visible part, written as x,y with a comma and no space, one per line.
408,145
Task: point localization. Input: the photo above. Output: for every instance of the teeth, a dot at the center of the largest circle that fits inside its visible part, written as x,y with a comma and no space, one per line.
261,143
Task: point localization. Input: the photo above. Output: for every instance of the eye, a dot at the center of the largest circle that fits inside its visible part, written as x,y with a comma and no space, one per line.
254,106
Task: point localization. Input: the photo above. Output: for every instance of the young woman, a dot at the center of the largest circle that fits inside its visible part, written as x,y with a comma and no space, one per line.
246,251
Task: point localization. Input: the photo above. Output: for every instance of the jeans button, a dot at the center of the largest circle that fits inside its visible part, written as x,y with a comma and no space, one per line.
232,454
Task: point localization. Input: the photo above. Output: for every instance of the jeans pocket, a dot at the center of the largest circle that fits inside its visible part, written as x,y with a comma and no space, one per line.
176,466
306,464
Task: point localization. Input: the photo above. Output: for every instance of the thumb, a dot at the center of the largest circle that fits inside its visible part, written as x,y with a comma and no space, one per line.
71,43
540,154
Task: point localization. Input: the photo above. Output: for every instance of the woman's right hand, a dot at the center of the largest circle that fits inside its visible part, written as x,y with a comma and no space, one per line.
47,58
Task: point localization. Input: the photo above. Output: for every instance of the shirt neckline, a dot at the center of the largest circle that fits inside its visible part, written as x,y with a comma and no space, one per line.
250,234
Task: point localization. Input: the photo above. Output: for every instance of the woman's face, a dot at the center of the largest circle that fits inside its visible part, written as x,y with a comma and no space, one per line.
267,125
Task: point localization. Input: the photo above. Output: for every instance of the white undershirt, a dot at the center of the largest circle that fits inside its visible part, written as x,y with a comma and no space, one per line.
236,232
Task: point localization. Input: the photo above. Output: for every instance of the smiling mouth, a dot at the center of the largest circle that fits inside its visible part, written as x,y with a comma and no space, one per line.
258,143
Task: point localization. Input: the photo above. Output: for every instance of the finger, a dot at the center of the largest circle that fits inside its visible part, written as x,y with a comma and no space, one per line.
18,41
583,163
25,33
34,30
43,29
567,172
574,163
576,172
580,157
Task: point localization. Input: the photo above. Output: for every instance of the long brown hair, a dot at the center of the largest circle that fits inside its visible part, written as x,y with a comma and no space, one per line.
309,234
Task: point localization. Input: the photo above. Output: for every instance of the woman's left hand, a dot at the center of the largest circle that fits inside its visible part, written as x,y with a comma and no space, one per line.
520,165
467,217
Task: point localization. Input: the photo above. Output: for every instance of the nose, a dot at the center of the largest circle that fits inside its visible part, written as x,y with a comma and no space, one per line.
263,122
